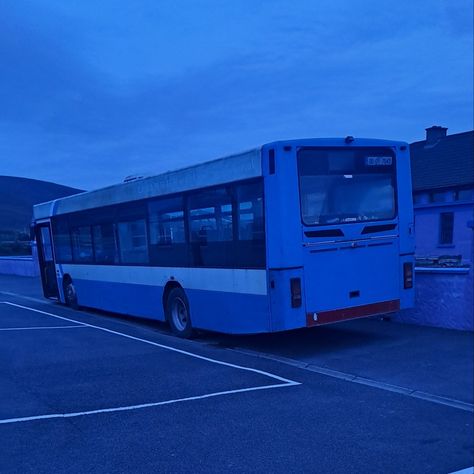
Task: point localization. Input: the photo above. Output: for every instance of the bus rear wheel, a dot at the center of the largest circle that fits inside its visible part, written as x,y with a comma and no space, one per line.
177,313
70,295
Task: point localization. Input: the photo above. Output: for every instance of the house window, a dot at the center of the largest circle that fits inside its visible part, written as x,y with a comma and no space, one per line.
446,226
466,194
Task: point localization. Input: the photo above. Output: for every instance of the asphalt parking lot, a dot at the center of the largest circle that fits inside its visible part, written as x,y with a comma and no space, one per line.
87,392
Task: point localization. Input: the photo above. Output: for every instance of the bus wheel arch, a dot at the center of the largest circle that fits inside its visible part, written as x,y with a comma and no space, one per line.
70,295
177,312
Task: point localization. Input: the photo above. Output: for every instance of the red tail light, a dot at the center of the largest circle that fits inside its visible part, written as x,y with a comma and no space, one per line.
407,275
295,287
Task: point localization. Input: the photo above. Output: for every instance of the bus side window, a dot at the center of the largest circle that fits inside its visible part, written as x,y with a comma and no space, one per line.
250,246
133,241
168,245
62,240
166,218
82,244
203,224
105,246
211,227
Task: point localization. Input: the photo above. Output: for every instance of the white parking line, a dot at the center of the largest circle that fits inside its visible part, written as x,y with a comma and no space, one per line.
23,297
144,405
162,346
43,327
468,470
284,382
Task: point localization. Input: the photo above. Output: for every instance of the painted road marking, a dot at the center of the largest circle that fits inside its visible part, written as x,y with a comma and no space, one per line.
162,346
23,297
144,405
342,375
468,470
43,327
284,382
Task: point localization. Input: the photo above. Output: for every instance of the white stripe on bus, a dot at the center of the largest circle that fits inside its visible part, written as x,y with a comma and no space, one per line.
229,280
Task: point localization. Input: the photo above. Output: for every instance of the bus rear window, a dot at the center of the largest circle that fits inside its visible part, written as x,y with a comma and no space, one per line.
339,186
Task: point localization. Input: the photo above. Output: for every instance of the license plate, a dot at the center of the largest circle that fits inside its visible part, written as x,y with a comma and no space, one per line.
378,160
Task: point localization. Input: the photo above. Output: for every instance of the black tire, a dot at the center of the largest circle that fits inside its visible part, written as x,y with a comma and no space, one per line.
178,315
70,295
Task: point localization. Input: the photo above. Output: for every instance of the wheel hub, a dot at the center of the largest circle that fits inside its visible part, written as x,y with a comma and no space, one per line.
179,313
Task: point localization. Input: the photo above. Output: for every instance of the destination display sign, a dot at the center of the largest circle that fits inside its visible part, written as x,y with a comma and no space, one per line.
378,160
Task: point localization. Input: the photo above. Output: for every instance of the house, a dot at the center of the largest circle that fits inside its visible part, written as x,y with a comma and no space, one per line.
443,197
443,193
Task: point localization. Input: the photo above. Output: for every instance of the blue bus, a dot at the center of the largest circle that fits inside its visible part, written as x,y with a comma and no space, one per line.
289,235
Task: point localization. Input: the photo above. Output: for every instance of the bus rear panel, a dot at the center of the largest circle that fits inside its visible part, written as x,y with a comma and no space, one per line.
340,230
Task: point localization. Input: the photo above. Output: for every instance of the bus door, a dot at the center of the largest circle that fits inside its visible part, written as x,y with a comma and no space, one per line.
46,260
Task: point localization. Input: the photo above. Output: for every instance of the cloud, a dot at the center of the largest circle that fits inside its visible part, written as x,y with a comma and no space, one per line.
93,92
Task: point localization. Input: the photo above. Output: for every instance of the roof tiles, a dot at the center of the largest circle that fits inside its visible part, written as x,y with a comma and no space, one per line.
449,163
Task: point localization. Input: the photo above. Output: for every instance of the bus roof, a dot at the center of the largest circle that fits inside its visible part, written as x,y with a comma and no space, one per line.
231,168
244,165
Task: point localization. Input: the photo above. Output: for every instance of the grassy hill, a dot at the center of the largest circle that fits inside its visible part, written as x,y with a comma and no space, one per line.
17,197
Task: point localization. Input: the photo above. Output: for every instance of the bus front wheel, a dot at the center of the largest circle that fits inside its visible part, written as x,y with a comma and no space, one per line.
70,295
177,313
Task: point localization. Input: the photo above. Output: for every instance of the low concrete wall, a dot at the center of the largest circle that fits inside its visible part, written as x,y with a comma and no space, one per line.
444,298
23,266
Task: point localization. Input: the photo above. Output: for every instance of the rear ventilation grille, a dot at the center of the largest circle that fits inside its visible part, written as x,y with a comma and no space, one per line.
378,228
324,233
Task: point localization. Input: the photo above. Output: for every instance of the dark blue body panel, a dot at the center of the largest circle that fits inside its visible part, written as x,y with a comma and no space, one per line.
212,310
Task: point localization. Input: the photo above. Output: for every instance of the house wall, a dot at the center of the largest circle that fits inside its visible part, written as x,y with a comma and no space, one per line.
443,296
427,219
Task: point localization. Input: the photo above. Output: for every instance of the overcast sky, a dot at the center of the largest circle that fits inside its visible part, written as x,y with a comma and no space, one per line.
91,92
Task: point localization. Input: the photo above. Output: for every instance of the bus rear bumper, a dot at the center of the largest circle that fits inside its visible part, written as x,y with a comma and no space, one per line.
336,315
